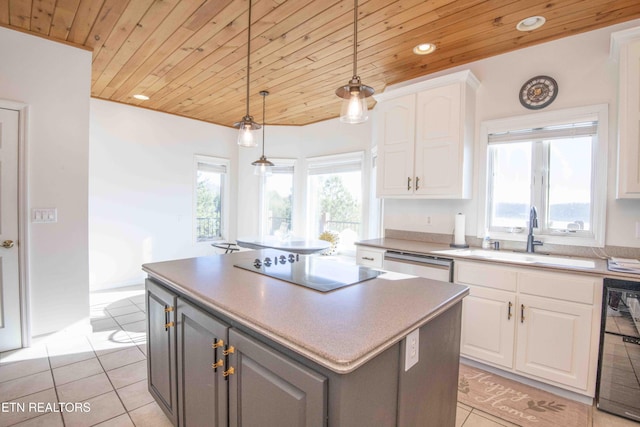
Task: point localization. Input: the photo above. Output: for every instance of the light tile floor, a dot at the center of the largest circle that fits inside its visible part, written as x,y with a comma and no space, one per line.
106,373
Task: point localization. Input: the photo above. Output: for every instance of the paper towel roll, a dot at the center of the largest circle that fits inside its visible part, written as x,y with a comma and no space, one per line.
458,233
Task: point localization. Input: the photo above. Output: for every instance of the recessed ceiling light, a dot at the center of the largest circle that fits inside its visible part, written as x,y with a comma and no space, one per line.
531,23
424,49
141,97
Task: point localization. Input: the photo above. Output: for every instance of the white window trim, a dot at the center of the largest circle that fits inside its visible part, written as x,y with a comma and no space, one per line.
199,158
550,118
294,219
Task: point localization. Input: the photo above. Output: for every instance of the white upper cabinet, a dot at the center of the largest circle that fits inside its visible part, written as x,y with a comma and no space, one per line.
425,138
626,50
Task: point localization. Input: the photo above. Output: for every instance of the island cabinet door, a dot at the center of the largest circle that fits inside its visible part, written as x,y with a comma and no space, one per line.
161,348
202,388
268,389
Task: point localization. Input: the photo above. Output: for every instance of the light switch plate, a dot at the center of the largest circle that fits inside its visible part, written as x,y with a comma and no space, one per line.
44,215
412,349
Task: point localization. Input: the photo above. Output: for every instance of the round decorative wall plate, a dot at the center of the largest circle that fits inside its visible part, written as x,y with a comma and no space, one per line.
538,92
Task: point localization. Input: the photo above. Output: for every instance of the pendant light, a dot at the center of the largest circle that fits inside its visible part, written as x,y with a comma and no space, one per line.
262,165
246,136
354,94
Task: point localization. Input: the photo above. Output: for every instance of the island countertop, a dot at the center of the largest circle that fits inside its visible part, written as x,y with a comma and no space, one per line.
340,330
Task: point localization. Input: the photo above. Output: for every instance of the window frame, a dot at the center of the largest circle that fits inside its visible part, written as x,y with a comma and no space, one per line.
599,163
225,195
312,163
278,162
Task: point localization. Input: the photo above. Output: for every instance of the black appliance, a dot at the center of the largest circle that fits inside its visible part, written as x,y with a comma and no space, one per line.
311,271
618,387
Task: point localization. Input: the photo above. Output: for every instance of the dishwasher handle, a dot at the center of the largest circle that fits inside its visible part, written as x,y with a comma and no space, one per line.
420,259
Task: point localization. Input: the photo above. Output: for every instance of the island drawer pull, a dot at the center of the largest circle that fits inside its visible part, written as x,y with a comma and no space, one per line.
509,311
218,364
368,258
229,371
521,313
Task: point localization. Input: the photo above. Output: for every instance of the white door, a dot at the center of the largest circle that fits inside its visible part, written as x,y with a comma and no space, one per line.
396,125
554,340
10,325
438,135
488,325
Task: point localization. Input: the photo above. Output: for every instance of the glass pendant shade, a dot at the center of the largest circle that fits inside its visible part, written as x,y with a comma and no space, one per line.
247,132
262,166
354,101
246,126
354,95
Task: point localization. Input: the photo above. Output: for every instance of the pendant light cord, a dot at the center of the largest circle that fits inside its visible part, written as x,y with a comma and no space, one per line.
264,97
248,55
355,37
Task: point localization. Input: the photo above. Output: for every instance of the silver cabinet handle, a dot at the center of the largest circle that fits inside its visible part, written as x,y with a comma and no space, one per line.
521,313
509,310
408,183
417,183
366,258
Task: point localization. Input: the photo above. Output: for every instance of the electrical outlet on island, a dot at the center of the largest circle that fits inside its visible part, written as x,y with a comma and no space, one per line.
411,351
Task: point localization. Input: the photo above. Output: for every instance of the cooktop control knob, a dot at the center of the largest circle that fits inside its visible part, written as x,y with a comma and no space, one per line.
291,258
257,263
283,259
267,261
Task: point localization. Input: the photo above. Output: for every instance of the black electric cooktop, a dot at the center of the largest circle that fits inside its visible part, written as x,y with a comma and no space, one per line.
311,271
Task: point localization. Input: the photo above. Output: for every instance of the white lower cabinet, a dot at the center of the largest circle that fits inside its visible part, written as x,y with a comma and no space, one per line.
487,325
553,341
546,328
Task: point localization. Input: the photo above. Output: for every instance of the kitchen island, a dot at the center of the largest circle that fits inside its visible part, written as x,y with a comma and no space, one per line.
228,346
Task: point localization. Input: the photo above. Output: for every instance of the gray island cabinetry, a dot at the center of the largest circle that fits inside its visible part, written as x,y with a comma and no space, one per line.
231,347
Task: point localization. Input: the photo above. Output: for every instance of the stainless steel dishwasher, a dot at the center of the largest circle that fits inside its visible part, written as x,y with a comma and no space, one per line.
427,266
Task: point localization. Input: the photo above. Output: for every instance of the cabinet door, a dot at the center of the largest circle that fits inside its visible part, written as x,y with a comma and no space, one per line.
271,390
202,389
161,348
629,138
553,340
438,157
396,132
488,323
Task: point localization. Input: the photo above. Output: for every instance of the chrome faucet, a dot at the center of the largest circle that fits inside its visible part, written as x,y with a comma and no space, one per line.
533,223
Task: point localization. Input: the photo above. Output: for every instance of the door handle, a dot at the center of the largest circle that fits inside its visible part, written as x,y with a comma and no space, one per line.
7,244
521,313
417,183
509,310
408,183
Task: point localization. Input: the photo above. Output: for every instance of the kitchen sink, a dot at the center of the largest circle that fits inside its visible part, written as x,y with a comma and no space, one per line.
519,257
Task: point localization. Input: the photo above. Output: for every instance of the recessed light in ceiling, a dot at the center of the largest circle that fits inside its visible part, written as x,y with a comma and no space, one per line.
141,97
531,23
424,48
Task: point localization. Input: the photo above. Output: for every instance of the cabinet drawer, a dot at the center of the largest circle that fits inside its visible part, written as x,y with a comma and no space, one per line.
370,257
568,287
482,274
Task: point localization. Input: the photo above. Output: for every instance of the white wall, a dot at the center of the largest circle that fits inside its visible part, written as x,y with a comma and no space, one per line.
141,188
289,142
585,74
54,80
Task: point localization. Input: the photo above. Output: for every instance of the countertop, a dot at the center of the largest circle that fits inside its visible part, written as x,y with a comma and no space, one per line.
340,330
428,248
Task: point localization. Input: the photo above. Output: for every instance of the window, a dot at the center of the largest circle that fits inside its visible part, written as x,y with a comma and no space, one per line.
277,199
210,198
334,198
555,162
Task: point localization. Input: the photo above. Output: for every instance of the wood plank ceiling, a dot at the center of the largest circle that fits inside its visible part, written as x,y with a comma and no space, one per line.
189,56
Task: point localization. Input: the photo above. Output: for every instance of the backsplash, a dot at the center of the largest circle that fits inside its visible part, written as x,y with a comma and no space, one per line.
579,251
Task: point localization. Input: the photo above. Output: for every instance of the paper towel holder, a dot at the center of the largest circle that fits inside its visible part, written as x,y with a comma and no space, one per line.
457,238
